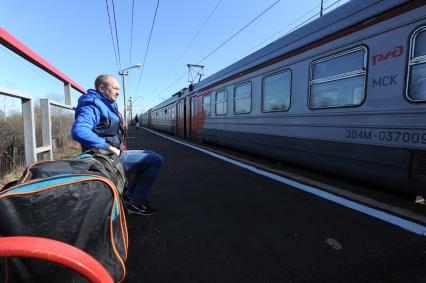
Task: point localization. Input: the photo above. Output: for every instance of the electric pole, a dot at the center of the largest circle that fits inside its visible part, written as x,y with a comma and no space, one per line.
131,112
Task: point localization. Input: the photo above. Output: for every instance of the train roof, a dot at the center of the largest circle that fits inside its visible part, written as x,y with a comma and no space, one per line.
349,14
171,99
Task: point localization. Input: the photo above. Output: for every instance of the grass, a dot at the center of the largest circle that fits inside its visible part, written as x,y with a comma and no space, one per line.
72,150
15,174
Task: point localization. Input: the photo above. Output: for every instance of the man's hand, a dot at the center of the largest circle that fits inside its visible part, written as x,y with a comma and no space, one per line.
115,150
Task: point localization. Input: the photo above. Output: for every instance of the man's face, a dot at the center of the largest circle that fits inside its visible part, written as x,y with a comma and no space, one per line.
110,89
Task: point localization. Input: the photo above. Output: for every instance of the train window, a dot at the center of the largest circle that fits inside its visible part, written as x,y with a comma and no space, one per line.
206,105
338,80
242,98
221,102
416,90
172,111
276,90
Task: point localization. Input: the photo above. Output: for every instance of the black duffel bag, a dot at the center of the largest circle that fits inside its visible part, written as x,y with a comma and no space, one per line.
113,166
72,201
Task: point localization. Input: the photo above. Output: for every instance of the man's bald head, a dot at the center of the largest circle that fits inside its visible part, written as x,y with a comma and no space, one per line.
108,87
102,79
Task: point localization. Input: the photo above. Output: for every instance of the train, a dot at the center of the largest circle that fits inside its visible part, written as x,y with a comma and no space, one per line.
344,94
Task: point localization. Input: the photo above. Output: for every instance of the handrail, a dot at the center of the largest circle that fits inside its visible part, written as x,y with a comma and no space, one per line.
14,93
19,48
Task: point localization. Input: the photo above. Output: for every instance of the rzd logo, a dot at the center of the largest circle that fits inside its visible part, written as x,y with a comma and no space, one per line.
396,52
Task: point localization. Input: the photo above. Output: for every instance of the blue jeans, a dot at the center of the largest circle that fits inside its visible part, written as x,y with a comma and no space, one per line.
143,167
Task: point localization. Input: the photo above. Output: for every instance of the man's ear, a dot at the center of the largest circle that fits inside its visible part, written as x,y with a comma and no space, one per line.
101,88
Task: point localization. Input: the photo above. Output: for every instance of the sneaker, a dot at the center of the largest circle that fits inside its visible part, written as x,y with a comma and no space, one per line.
141,209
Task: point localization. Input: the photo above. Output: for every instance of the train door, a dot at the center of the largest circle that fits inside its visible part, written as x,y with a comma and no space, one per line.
187,118
194,125
172,117
185,124
180,119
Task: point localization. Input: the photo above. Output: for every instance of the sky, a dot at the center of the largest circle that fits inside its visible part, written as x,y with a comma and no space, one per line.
75,37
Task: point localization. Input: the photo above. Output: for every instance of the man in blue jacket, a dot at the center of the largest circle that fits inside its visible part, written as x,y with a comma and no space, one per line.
98,124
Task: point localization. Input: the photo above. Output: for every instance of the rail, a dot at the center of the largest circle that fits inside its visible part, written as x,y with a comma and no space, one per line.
27,100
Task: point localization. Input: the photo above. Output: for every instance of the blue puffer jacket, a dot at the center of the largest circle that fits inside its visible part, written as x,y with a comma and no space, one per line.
97,122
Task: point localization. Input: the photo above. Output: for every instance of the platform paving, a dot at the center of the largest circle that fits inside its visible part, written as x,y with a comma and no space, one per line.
221,223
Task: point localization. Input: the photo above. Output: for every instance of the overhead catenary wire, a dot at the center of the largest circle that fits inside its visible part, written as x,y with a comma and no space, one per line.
131,38
325,9
112,37
147,46
116,34
299,25
190,43
243,28
288,26
194,37
305,21
319,13
131,33
227,40
178,79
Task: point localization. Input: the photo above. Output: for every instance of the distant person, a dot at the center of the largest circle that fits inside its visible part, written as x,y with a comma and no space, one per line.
137,122
99,124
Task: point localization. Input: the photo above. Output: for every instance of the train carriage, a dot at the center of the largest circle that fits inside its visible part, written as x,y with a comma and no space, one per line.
145,119
163,116
344,94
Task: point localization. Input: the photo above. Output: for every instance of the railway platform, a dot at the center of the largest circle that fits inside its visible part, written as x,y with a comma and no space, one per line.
219,222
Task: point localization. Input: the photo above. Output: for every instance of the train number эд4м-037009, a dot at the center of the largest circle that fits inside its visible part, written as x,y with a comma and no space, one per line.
413,137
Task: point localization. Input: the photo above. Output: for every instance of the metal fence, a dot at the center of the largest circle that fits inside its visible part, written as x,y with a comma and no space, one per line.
27,101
